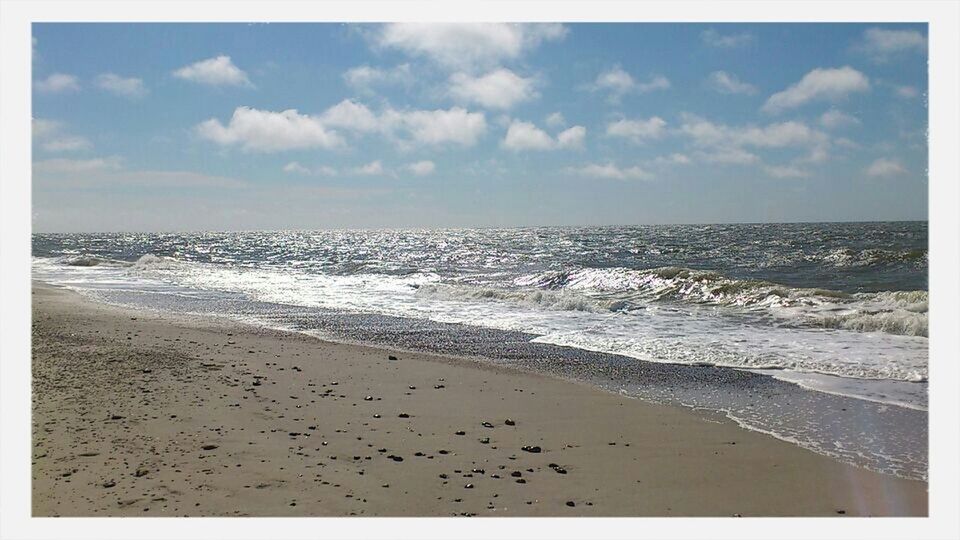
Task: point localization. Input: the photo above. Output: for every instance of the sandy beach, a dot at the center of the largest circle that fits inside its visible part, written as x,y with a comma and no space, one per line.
141,414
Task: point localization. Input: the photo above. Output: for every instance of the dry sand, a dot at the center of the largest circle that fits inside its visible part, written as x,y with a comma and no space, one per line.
141,414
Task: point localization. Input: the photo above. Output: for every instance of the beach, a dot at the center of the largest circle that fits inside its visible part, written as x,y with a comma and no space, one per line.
142,413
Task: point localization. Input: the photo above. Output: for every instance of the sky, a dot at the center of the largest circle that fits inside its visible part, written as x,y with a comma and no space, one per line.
178,127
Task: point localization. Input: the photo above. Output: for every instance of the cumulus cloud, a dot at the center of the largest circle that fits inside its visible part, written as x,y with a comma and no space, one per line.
785,171
365,78
617,83
907,92
441,126
885,167
217,71
72,174
673,159
610,170
267,131
466,46
729,156
725,41
638,130
727,83
527,136
555,119
57,83
880,44
52,137
60,165
351,115
421,168
294,167
834,119
719,143
128,87
819,84
374,168
498,89
776,135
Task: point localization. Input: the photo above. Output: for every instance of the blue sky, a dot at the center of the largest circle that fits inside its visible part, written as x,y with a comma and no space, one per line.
274,126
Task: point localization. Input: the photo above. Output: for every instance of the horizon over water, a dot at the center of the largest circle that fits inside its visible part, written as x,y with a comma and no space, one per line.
807,331
474,227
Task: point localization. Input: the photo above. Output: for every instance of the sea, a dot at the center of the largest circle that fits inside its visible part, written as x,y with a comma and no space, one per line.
814,333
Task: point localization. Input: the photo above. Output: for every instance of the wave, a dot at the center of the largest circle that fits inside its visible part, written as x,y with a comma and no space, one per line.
892,312
544,299
848,257
93,260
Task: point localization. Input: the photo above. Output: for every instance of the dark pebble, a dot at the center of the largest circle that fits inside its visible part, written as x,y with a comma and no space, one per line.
509,422
487,424
403,415
571,504
209,447
531,449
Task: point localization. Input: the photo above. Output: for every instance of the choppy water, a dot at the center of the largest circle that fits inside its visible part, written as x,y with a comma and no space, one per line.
837,308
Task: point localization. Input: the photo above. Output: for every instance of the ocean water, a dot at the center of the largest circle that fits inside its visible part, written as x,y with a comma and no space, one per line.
834,313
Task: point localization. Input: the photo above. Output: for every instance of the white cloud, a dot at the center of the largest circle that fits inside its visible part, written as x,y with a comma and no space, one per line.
778,135
727,83
421,168
364,78
845,143
217,71
498,89
67,143
819,84
556,119
725,41
60,165
637,130
467,46
835,118
374,168
907,92
617,83
294,167
128,87
729,156
572,137
349,114
673,159
267,131
43,128
66,174
526,136
57,83
785,171
609,170
880,43
885,167
50,135
436,127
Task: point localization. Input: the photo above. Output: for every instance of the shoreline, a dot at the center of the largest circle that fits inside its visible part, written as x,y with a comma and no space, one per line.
288,442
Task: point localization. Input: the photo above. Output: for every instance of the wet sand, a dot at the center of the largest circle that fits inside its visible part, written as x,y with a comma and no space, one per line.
142,414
